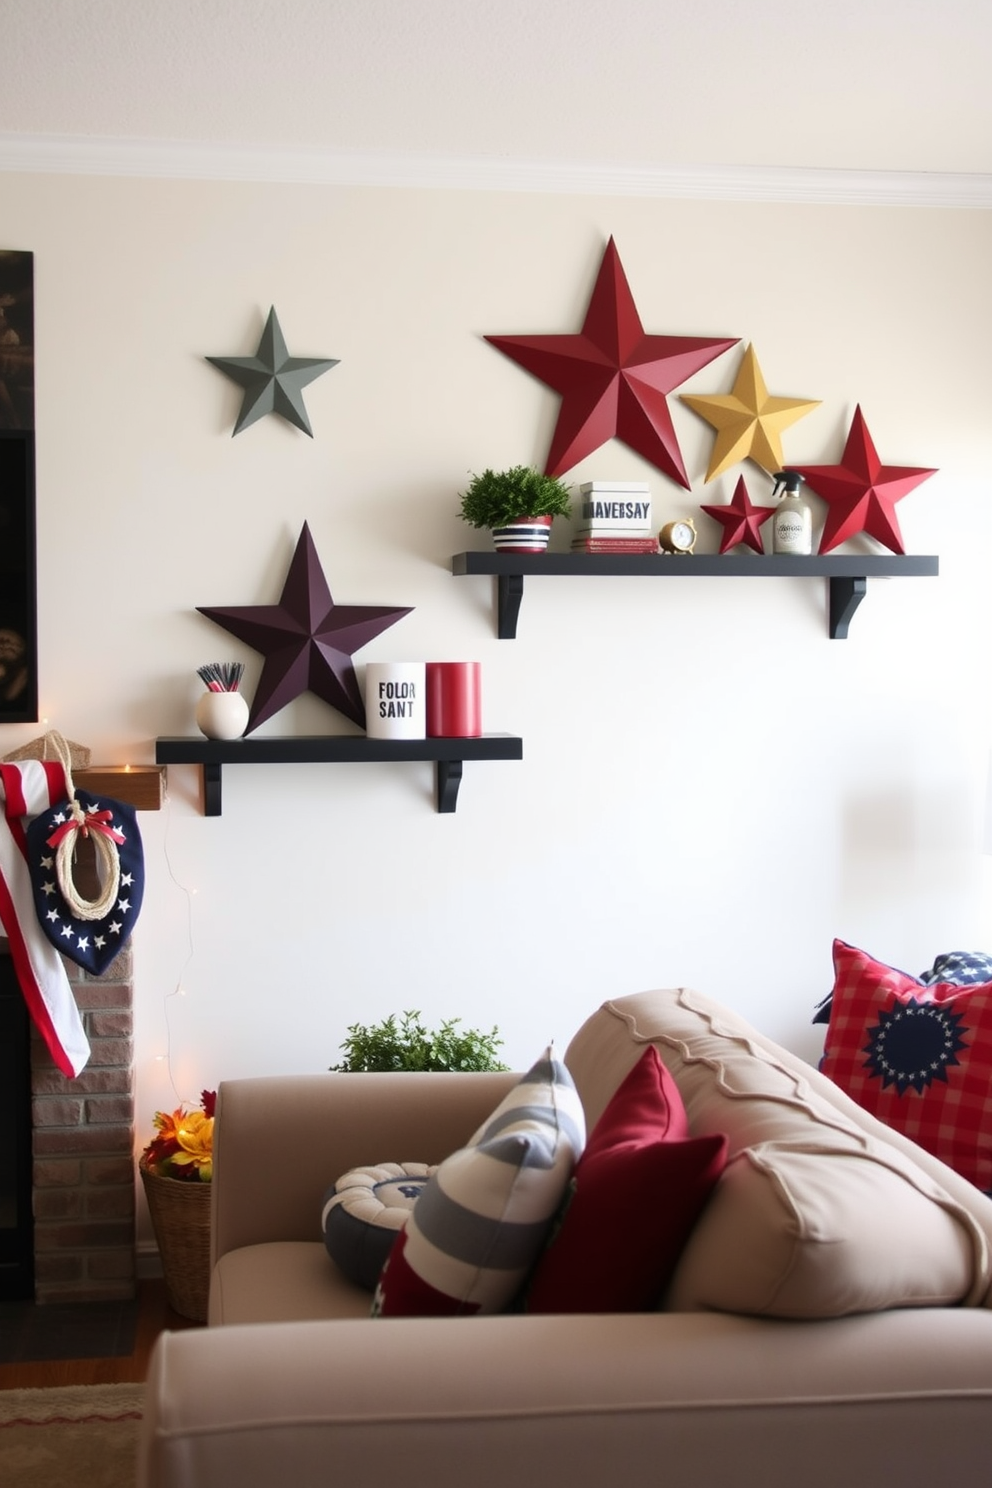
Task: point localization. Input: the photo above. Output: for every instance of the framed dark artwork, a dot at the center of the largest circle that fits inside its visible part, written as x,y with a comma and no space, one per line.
18,597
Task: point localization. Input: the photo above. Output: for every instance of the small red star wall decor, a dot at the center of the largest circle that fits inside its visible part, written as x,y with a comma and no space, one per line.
614,378
741,521
307,640
861,493
748,421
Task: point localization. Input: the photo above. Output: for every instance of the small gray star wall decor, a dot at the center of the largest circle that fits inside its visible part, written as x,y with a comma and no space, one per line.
273,380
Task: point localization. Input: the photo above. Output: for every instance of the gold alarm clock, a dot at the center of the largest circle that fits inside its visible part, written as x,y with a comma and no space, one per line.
678,536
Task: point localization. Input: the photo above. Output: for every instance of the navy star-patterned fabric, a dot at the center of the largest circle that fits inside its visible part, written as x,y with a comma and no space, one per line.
91,944
913,1043
961,968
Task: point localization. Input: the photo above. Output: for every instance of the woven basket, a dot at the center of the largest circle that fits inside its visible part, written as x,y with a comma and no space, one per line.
181,1218
43,748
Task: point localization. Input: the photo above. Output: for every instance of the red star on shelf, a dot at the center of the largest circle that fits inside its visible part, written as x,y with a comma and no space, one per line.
861,492
741,520
307,640
613,378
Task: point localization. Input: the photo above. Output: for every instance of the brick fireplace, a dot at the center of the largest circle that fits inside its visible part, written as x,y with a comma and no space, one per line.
82,1139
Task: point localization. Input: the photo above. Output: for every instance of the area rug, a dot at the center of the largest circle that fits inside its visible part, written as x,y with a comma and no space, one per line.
76,1330
80,1436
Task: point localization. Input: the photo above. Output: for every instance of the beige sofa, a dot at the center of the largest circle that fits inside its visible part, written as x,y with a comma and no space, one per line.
828,1323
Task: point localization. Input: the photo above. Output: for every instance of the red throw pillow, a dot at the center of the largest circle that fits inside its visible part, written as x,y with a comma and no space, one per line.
636,1193
919,1058
409,1295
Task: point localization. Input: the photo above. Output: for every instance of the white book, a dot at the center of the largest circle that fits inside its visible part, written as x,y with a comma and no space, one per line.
630,487
623,512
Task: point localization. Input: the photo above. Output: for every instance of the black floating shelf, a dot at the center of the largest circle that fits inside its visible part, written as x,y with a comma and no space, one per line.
847,574
448,754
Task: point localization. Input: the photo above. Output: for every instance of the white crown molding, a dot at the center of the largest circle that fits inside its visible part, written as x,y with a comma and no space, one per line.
193,160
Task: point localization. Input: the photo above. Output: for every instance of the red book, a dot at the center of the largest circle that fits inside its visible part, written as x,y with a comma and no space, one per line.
615,545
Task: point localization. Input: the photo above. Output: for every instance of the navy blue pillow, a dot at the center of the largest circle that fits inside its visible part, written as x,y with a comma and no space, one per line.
364,1211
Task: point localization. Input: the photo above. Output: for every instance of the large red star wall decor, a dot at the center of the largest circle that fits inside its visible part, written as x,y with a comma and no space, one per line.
307,640
613,378
741,521
861,493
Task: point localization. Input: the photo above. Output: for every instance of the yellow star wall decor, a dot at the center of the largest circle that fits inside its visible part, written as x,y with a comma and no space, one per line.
748,421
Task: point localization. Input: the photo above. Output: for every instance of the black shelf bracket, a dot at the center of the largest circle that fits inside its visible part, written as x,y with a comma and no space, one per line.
845,596
510,591
211,789
448,756
847,574
449,778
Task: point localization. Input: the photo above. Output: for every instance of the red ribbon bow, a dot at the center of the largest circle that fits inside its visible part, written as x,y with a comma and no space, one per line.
97,821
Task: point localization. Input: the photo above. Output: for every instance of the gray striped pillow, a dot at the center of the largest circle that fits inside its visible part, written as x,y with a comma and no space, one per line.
481,1222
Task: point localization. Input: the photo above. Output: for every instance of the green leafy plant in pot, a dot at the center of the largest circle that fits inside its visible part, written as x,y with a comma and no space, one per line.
407,1044
518,506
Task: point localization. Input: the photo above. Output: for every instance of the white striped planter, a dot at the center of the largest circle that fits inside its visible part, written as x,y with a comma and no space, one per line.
525,535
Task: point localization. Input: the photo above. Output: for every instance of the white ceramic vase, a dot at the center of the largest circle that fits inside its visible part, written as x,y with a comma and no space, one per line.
222,715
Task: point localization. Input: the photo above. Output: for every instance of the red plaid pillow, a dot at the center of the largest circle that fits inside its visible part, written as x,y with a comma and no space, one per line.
919,1058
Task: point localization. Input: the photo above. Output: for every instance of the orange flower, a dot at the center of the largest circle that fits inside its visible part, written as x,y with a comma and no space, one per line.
195,1134
183,1145
166,1125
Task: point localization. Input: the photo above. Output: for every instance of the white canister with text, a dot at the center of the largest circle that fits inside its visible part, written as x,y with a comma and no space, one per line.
395,705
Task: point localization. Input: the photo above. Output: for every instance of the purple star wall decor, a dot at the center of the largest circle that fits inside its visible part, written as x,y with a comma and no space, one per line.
307,640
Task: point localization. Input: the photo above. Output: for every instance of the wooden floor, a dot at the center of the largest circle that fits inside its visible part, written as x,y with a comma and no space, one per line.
154,1315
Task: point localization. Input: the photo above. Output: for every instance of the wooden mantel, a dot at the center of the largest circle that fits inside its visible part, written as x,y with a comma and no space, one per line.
140,786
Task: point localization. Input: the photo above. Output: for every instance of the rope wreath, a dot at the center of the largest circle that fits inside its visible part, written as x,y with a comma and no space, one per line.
95,824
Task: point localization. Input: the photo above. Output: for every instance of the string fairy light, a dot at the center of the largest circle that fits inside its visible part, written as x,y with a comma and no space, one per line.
178,990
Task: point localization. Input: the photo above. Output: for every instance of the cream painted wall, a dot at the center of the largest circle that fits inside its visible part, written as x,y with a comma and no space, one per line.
711,789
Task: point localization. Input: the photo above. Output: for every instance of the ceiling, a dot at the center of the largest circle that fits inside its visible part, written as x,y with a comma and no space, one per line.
856,85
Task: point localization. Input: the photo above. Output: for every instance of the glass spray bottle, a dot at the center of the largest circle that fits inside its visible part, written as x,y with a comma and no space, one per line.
792,524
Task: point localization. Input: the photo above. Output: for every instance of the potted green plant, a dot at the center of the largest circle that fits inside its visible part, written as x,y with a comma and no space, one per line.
407,1044
518,506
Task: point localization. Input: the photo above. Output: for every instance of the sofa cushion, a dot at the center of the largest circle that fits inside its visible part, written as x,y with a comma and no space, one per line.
918,1057
814,1215
482,1220
636,1192
364,1211
281,1281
